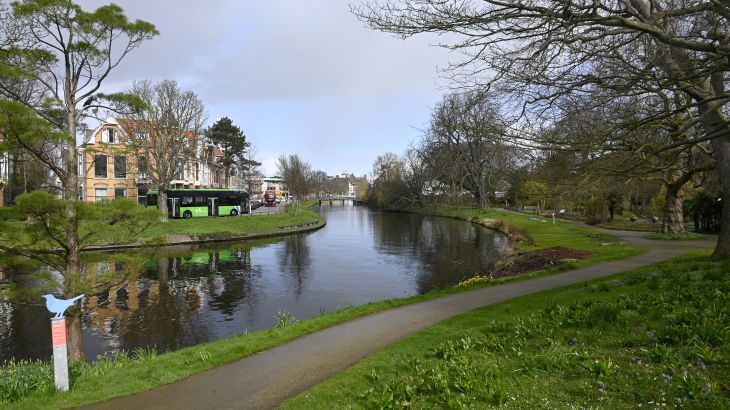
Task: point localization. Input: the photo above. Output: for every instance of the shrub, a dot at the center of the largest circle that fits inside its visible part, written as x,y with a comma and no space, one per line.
675,236
9,214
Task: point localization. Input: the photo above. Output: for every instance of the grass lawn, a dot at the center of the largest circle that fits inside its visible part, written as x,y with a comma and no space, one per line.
33,386
651,338
546,234
237,225
626,225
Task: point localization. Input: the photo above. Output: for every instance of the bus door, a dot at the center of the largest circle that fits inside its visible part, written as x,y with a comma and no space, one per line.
173,207
213,206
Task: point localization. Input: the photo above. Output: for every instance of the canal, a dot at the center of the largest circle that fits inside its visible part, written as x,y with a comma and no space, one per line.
198,293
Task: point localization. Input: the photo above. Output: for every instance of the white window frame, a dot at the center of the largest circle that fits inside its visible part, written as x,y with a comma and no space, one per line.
107,132
98,190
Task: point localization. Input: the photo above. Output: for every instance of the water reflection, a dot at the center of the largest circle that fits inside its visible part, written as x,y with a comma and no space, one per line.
194,294
294,259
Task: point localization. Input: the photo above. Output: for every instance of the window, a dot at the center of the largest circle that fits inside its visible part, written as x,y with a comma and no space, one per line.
100,194
142,195
180,168
110,136
100,166
120,166
81,192
200,201
152,200
82,171
187,200
120,192
230,201
142,166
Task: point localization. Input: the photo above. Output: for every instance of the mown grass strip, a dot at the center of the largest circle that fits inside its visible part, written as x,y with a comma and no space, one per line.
654,337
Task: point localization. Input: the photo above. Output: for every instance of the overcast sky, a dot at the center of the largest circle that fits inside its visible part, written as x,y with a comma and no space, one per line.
300,77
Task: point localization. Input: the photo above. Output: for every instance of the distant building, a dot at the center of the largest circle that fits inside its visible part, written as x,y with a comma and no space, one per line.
108,169
275,184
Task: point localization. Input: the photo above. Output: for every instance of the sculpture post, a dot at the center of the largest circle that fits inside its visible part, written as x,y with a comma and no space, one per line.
58,333
60,354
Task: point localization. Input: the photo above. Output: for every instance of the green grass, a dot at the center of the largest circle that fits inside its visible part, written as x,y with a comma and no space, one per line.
640,339
625,225
239,226
685,236
546,234
136,376
223,228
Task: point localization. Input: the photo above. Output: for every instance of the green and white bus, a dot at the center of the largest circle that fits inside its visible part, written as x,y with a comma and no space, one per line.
187,203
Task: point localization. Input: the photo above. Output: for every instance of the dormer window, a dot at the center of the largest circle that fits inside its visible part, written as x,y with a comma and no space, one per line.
110,136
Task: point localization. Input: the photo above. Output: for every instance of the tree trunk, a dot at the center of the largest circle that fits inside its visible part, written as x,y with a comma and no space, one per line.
604,212
673,215
74,336
721,149
74,333
162,202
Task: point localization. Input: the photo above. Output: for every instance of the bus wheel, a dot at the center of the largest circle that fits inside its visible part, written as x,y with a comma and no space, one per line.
234,212
187,214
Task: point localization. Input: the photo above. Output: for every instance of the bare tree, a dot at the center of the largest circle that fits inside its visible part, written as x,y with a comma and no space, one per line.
542,50
464,142
296,174
251,171
319,182
166,135
416,175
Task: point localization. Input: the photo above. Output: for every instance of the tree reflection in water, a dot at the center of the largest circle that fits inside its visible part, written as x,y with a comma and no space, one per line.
295,262
198,293
448,250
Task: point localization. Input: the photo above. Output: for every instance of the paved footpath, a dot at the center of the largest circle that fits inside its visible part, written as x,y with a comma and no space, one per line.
265,379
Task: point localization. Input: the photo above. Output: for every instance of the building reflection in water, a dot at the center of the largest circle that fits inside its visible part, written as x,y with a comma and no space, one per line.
163,306
194,294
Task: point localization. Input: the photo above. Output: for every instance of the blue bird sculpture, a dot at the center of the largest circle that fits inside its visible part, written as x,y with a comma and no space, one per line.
59,306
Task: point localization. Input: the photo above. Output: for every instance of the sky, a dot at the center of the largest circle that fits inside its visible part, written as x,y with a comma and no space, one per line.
298,77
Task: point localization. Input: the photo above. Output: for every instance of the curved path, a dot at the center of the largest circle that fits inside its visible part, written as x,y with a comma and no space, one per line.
265,379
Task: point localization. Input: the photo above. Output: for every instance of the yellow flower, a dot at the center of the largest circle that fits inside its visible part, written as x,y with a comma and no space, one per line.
475,280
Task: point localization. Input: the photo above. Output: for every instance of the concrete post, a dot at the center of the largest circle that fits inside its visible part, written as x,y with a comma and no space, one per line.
60,355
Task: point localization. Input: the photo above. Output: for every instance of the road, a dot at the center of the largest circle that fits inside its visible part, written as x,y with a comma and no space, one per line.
263,210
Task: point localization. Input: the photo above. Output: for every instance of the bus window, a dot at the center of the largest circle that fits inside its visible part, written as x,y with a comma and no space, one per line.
200,201
152,200
187,200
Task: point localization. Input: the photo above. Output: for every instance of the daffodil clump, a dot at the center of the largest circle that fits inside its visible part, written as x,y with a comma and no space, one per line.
475,280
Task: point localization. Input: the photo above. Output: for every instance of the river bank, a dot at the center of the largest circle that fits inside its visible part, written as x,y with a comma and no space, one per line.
208,230
140,376
529,233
